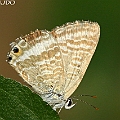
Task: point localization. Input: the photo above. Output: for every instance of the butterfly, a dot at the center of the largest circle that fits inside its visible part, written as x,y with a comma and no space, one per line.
54,62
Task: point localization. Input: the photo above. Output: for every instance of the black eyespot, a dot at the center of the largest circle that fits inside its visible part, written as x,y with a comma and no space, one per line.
9,58
15,50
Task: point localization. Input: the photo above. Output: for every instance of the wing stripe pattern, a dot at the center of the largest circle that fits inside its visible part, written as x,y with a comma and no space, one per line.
77,44
54,63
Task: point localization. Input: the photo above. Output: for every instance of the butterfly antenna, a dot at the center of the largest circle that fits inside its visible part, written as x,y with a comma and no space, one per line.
93,96
87,103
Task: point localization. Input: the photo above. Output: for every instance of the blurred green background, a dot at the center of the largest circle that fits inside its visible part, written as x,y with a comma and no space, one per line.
103,74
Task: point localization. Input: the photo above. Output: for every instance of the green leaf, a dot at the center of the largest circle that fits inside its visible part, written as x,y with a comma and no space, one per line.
18,102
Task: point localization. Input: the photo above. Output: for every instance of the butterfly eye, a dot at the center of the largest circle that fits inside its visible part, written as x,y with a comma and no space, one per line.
69,104
15,50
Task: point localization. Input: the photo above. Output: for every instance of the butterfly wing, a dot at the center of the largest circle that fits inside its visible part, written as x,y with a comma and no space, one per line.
37,58
77,42
55,60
